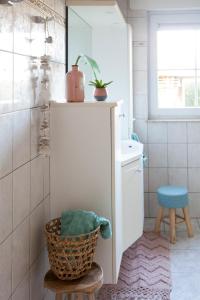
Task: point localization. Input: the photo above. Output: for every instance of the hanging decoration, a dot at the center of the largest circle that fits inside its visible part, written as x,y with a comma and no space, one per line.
44,96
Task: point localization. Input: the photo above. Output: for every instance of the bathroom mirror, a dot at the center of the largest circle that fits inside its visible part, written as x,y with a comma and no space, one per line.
79,36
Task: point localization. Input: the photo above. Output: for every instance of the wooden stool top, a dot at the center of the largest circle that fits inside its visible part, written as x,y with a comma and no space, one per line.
87,284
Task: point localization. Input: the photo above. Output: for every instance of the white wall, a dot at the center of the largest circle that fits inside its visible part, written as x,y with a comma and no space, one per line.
172,147
110,49
24,174
164,4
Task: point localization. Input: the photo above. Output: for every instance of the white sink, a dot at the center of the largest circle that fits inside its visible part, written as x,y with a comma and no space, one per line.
130,151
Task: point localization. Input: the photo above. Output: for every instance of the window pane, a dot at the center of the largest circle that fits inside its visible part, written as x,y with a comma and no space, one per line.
176,89
176,49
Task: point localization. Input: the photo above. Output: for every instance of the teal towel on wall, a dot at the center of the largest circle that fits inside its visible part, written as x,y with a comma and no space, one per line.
76,222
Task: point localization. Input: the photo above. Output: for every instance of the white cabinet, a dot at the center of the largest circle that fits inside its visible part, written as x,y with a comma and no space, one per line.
133,204
86,170
86,173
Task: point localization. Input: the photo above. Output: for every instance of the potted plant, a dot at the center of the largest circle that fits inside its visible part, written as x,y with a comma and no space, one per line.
100,93
75,79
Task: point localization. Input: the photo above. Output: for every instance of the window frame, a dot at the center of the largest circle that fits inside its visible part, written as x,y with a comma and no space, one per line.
156,19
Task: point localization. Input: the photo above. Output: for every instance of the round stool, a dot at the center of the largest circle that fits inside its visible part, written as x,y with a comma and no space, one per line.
86,285
173,197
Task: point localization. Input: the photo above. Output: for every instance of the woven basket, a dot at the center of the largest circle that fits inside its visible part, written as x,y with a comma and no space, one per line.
70,257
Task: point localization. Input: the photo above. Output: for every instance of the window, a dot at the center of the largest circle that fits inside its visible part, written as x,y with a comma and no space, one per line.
175,65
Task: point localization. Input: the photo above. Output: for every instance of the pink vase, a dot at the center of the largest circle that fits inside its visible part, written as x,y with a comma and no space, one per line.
75,85
100,94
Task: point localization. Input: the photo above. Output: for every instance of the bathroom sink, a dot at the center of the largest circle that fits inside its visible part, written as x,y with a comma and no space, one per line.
130,151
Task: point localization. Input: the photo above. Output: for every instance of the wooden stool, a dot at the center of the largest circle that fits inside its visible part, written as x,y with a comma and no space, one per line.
86,285
173,197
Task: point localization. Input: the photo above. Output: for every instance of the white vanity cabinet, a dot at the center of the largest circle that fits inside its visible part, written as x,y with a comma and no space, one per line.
86,170
133,203
87,173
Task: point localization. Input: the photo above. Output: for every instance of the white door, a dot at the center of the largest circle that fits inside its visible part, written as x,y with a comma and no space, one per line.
132,202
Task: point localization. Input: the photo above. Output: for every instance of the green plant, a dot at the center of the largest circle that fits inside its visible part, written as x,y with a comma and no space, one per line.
99,83
90,61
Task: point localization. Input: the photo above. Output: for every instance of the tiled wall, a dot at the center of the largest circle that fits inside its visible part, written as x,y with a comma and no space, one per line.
24,175
173,148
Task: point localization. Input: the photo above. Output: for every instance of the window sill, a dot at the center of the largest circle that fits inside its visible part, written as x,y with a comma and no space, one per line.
172,120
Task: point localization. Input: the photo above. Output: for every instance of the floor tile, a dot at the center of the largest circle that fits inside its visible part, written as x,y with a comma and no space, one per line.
186,286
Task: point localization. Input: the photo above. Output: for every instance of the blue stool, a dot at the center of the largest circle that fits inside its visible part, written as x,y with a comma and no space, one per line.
173,197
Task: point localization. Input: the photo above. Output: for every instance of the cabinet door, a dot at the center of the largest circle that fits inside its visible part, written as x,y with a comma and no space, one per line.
133,202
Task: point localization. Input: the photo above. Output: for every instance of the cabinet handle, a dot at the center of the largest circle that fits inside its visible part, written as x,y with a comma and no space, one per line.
139,170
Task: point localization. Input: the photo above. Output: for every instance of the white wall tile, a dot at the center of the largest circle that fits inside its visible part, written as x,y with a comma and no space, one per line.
139,13
22,29
37,291
177,132
23,85
21,138
37,35
153,205
6,33
194,175
157,178
58,83
140,82
140,58
140,127
177,155
140,106
47,212
59,6
146,205
178,176
20,253
46,176
50,3
37,221
5,144
6,79
21,193
194,205
139,26
5,270
35,131
194,132
157,133
22,291
146,180
37,181
194,155
6,207
157,155
59,44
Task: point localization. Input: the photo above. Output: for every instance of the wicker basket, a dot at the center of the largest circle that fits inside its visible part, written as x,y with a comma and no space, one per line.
70,257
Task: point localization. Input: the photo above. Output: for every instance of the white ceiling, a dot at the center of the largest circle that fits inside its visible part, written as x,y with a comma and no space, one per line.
164,4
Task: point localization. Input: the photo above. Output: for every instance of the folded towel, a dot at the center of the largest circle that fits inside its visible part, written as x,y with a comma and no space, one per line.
76,222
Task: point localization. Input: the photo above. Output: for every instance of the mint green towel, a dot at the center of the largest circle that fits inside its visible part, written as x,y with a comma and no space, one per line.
76,222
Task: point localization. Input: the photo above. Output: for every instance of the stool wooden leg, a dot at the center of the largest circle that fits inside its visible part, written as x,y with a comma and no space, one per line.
58,296
79,297
159,219
187,221
172,219
69,296
91,296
